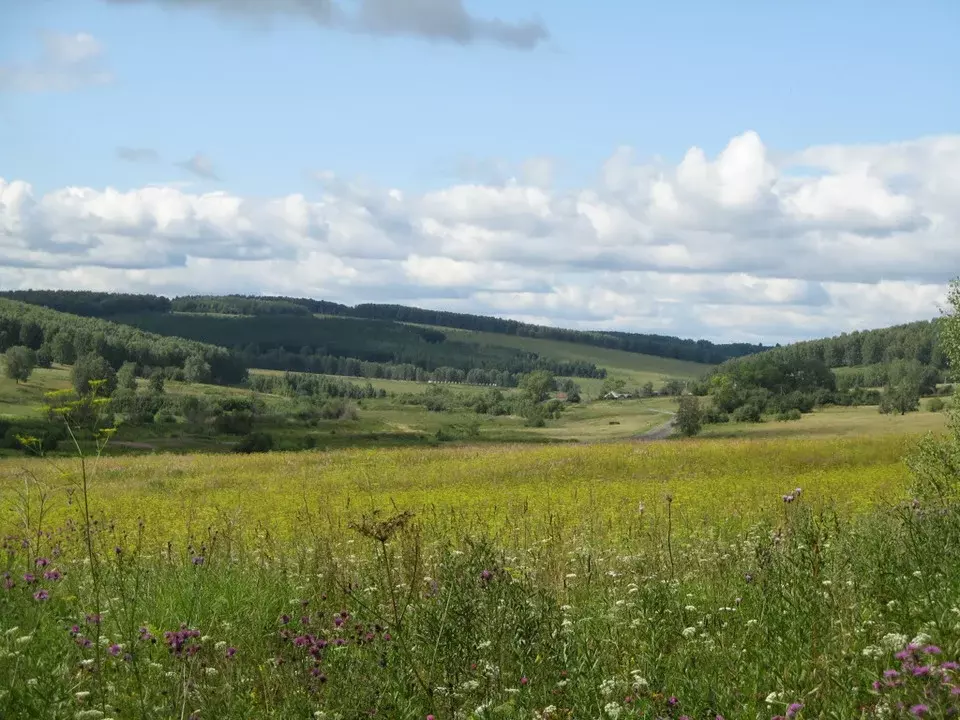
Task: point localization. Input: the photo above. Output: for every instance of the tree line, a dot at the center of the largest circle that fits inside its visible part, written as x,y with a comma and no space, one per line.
109,304
360,348
55,336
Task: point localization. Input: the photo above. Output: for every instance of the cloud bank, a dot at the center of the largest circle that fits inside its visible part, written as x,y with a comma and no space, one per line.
437,20
747,245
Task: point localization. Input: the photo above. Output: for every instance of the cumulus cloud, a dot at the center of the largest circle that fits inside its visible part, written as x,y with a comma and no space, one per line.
748,245
65,62
439,20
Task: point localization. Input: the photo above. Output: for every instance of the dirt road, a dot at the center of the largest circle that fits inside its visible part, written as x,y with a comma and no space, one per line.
660,432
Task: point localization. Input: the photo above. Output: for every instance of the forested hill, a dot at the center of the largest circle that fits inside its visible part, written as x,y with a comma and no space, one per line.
63,337
892,367
917,341
667,346
108,305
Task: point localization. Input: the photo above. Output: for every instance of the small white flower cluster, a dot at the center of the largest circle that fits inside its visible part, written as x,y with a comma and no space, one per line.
893,642
612,710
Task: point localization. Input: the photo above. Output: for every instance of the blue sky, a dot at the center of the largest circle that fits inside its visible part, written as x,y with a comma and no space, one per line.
273,106
270,107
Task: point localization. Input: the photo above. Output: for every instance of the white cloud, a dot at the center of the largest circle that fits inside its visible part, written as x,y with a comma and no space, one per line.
748,245
66,62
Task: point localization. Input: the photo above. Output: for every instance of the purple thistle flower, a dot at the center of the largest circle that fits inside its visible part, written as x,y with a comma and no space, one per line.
29,578
231,651
921,671
41,595
115,649
93,618
672,702
890,673
198,560
793,709
919,709
53,575
932,650
486,575
42,562
284,619
949,665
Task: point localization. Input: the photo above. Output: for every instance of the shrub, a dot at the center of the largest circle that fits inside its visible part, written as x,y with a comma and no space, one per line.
714,416
936,405
255,442
789,415
749,413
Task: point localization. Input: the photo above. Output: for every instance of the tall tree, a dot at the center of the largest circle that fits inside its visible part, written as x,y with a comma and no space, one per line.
689,416
19,362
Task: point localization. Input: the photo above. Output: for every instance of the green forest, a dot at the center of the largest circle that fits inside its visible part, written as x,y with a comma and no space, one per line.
108,305
891,367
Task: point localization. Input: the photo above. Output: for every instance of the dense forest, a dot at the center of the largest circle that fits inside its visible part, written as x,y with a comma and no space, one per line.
110,305
895,365
660,345
90,304
60,337
361,348
237,305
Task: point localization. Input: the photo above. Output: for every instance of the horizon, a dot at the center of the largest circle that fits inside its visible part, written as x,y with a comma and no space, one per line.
772,176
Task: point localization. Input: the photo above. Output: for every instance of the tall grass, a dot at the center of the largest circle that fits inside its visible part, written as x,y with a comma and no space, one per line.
613,582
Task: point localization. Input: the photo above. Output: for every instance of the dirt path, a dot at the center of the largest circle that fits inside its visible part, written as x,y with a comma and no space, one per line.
660,432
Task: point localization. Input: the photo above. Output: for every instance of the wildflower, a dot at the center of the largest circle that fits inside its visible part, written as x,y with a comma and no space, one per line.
41,595
524,681
29,578
431,717
42,562
931,650
612,710
689,632
32,682
115,649
793,709
53,575
772,697
231,651
919,709
486,576
198,560
24,639
672,701
892,641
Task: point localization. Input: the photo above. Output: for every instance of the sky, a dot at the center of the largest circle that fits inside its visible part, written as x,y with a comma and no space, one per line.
742,171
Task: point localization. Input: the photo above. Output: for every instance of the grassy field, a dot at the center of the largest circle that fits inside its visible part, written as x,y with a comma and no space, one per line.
834,422
751,578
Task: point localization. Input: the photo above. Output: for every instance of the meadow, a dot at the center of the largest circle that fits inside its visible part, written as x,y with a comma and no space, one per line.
708,578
